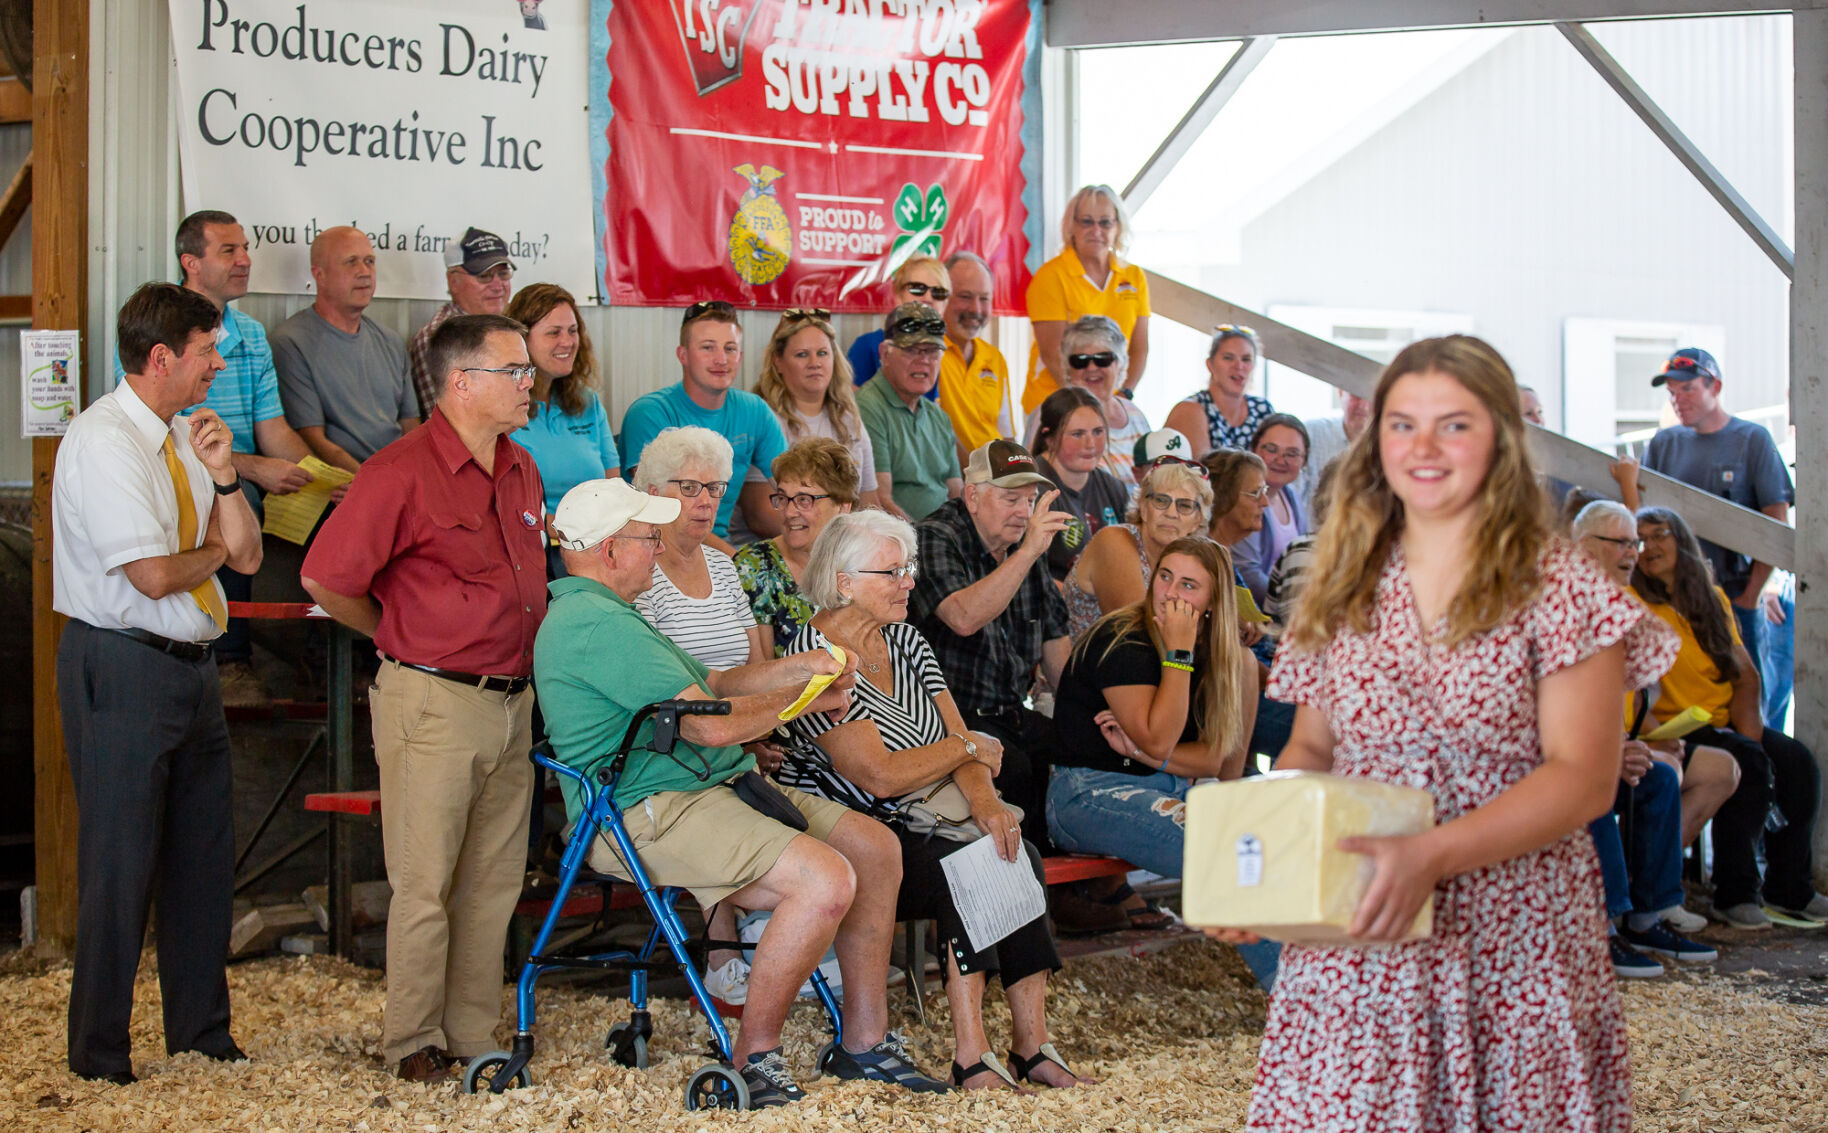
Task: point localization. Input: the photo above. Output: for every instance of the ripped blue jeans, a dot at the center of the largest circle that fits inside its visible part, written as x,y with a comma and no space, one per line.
1139,818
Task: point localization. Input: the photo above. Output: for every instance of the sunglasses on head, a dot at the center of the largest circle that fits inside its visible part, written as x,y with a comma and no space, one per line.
1191,465
705,307
1080,361
812,314
917,324
1227,330
917,289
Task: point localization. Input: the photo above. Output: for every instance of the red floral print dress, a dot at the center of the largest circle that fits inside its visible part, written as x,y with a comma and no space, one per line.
1506,1018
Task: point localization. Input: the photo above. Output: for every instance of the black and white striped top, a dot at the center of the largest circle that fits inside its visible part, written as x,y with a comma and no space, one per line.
714,630
908,719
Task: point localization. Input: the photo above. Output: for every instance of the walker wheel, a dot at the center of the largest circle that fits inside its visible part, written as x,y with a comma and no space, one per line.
482,1073
716,1087
626,1047
823,1062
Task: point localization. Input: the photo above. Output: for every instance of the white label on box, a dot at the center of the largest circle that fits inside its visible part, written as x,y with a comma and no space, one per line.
1250,860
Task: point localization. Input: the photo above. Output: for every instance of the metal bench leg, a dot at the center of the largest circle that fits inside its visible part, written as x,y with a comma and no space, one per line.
916,951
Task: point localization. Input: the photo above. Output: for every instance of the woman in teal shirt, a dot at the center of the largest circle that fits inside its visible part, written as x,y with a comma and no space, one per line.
567,430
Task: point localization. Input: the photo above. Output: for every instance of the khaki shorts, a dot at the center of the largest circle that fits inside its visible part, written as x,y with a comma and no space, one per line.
710,842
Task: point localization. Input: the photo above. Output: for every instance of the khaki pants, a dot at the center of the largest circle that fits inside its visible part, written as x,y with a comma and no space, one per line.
455,793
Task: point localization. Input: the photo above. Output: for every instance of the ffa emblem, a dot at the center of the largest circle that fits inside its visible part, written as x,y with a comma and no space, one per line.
920,219
713,34
761,240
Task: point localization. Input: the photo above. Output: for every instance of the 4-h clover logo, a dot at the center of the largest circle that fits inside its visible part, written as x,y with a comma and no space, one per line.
921,219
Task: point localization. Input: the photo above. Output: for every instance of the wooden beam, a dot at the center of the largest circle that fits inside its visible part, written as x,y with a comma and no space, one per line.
16,200
1722,521
15,101
60,291
1102,23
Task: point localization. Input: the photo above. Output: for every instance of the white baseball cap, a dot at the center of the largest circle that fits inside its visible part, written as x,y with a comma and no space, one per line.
597,509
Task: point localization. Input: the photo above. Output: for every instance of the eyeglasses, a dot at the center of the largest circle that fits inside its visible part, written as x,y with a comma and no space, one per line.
690,488
705,307
654,539
1657,535
1193,466
918,289
907,570
1081,361
1622,544
803,501
927,324
806,314
1261,492
1274,452
1162,501
515,374
1105,222
500,273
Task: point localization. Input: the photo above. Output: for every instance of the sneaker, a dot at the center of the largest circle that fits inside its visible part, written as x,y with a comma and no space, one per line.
769,1082
1658,940
887,1061
1746,915
729,983
241,687
1682,920
1815,910
1630,964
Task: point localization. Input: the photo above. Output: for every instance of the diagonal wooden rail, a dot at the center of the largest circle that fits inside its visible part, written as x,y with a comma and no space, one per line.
1713,518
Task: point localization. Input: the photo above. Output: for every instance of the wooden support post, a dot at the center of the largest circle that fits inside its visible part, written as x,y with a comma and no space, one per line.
16,199
60,290
1809,397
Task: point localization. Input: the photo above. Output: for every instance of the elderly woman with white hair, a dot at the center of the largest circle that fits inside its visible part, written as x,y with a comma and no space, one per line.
901,753
1088,277
1095,356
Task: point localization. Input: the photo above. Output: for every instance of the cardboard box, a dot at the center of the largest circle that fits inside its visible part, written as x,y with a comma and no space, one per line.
1261,853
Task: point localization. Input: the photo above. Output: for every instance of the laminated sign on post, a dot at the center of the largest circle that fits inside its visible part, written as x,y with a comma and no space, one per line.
50,374
787,153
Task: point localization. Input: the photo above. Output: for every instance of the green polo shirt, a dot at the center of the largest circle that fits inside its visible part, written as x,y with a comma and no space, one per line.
596,662
916,447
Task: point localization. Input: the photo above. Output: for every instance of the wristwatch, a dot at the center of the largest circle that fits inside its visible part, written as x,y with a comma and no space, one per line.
229,488
970,745
1126,392
1180,656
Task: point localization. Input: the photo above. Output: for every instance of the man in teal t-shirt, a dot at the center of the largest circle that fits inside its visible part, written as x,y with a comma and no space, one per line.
711,359
596,662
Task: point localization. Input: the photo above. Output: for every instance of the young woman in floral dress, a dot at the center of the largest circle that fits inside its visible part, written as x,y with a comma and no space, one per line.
1447,641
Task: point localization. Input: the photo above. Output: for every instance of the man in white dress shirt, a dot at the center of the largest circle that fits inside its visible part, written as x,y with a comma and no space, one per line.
146,507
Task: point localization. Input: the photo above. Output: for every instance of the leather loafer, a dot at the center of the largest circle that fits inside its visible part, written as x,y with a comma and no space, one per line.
428,1064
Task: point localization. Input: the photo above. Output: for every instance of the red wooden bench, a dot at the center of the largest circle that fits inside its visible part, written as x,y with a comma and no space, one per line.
367,804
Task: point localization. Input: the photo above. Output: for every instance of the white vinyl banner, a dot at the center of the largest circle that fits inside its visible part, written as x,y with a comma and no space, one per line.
410,119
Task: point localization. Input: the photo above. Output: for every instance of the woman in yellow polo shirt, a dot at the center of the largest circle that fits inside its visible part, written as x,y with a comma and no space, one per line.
1714,672
1086,278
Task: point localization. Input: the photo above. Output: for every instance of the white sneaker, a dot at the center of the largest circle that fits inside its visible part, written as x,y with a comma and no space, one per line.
1682,920
730,983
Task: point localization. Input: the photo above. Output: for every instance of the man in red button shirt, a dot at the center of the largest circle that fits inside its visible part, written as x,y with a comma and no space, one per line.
436,553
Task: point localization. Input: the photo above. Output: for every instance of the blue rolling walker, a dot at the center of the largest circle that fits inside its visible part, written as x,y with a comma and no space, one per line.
717,1085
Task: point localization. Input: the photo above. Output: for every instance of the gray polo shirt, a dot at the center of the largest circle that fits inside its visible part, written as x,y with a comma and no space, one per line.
1738,461
355,386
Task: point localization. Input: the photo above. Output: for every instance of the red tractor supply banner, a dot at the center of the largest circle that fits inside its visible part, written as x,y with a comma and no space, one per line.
783,153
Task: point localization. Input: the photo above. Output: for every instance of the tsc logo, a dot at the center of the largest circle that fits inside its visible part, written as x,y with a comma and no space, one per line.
712,32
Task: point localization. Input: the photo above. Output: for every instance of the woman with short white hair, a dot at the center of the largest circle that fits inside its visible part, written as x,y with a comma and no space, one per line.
901,753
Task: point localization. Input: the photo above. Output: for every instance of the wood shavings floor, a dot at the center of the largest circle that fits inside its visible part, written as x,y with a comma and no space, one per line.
1172,1036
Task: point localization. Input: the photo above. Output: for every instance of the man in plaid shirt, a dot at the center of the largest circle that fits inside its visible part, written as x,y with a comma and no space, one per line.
985,602
481,279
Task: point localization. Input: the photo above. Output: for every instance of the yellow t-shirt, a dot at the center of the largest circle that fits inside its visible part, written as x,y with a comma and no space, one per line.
973,394
1694,680
1060,292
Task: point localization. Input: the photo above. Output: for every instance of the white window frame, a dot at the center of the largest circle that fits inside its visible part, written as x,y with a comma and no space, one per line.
1589,389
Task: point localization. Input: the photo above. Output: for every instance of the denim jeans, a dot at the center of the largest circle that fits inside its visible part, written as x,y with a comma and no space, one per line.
1751,632
1139,818
1650,822
1777,663
1613,875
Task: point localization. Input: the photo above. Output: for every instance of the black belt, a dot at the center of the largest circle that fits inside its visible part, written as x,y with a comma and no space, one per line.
182,650
509,685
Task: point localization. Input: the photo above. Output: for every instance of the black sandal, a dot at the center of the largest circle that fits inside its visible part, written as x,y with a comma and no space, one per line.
1025,1067
1150,918
989,1064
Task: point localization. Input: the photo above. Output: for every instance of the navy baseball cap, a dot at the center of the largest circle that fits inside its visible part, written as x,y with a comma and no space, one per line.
476,251
1686,364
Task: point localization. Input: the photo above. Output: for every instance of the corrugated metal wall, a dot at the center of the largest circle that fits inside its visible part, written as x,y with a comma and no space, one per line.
1525,192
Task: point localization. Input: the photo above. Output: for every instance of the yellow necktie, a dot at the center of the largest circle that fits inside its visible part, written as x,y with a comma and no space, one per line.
205,591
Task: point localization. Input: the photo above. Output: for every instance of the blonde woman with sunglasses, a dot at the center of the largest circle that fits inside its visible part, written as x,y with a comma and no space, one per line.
807,383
